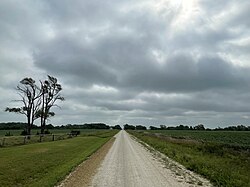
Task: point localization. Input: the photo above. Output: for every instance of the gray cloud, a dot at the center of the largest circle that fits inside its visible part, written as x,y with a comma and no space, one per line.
125,62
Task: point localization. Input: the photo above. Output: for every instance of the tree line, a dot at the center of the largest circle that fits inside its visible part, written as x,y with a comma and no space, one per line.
132,127
185,127
89,126
202,127
37,100
20,125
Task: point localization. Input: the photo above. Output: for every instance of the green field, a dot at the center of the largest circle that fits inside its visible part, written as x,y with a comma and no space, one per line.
52,131
13,132
56,134
45,164
238,138
221,157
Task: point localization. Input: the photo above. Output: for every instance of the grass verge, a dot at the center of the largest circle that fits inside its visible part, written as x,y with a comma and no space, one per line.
223,165
45,164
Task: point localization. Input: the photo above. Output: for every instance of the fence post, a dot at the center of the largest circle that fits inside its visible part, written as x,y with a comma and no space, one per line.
40,138
53,137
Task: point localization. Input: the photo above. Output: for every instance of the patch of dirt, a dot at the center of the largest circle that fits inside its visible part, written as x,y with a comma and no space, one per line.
83,173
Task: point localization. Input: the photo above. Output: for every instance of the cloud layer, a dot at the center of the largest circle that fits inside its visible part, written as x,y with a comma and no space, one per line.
149,62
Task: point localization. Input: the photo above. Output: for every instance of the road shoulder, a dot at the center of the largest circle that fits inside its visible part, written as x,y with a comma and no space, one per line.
83,173
178,171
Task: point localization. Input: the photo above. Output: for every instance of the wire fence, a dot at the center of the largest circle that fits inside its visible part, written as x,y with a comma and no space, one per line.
7,141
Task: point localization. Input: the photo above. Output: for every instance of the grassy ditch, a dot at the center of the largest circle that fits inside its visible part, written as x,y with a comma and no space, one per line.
222,164
45,164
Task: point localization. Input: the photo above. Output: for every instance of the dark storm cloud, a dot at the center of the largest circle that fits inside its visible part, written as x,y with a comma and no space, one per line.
139,62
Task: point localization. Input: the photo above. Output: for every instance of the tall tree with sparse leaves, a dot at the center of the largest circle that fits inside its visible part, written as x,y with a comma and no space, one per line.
51,93
37,101
30,95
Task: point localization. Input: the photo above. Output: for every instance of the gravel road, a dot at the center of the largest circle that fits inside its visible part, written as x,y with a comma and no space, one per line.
130,164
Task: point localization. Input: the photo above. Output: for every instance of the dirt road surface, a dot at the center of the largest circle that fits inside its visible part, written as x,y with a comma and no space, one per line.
129,164
83,174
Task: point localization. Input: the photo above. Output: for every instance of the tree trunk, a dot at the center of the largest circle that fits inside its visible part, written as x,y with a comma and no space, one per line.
42,129
42,116
29,126
43,125
28,129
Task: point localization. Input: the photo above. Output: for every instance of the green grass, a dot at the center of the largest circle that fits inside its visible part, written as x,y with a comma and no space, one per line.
238,138
13,132
45,164
52,131
221,163
59,134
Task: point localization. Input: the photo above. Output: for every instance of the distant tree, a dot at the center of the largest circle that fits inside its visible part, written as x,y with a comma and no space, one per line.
118,127
234,128
241,128
50,126
153,128
84,126
30,95
162,127
95,126
182,127
50,94
12,125
199,127
129,127
140,127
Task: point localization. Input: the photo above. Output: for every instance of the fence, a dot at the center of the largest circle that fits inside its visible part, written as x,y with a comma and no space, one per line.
7,141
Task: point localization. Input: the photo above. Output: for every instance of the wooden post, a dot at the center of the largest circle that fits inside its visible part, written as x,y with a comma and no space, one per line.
53,137
40,138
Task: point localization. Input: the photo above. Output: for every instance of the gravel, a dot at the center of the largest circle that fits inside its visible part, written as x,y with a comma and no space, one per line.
130,164
84,173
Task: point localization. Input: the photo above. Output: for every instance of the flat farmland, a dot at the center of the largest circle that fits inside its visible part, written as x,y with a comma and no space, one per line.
238,138
55,134
12,132
220,156
52,131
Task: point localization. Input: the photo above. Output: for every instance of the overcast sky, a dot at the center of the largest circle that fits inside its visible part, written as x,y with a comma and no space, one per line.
147,62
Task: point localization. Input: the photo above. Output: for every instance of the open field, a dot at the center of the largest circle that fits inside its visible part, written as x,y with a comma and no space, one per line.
45,164
238,138
12,132
223,161
52,131
56,134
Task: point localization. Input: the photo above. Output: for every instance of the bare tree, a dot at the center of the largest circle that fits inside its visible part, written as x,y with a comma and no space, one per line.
37,101
50,95
30,95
